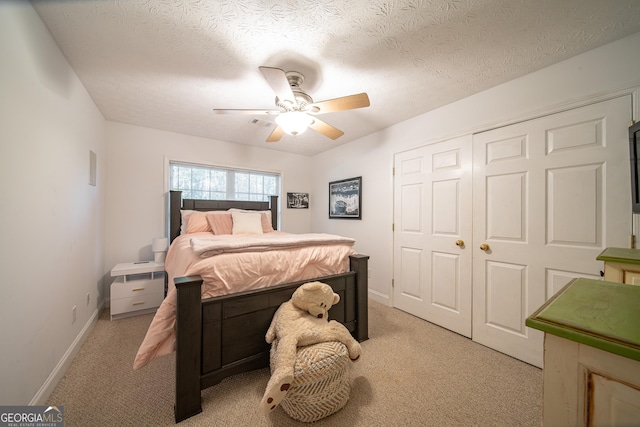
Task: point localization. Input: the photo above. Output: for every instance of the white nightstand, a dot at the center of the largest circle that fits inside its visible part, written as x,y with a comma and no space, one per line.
138,288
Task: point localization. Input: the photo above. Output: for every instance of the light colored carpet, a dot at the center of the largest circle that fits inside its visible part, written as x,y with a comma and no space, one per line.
412,373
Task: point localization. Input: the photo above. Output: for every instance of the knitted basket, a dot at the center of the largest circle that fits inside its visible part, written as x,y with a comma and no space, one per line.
320,385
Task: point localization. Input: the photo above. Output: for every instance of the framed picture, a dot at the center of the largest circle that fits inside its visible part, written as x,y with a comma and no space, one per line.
345,198
298,200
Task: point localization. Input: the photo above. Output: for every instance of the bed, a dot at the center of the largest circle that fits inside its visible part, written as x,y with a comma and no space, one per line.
216,337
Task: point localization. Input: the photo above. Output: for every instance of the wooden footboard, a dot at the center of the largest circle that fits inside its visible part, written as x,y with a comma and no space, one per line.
223,336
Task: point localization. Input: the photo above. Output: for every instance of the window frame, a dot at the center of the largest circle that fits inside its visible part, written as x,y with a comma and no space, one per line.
231,191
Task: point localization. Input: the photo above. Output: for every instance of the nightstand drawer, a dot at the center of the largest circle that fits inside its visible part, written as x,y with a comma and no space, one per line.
631,277
134,288
136,303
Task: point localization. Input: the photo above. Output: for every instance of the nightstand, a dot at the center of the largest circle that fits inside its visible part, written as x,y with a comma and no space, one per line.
138,288
621,265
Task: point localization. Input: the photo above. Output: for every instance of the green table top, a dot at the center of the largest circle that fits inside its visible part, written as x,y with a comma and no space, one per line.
605,315
624,255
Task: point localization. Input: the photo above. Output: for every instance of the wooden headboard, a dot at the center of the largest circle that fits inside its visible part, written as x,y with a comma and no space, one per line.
176,204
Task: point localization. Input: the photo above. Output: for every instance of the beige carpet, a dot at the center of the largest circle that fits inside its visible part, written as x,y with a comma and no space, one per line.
412,373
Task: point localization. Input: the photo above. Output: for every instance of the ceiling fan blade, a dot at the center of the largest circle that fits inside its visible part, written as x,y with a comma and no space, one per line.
340,104
279,83
261,112
325,129
276,135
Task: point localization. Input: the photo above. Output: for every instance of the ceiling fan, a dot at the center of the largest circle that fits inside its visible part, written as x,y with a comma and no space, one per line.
296,110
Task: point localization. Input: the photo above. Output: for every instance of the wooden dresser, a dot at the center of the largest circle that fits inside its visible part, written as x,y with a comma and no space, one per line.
591,374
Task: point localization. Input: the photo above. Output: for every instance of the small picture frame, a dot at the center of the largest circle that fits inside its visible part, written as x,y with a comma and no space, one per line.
345,198
297,200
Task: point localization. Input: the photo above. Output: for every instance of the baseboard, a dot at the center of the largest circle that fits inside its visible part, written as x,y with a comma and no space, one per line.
61,368
380,297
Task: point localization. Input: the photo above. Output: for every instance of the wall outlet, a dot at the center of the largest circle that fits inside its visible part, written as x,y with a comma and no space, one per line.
88,298
73,315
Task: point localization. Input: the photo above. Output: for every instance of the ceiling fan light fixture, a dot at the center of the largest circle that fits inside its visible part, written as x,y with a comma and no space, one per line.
294,122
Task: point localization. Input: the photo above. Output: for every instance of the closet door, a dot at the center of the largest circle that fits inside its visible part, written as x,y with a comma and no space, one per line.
432,233
548,196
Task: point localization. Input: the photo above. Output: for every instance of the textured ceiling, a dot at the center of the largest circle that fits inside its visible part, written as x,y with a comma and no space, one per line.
165,64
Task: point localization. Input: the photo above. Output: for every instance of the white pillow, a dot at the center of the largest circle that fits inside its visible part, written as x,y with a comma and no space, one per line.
246,223
267,227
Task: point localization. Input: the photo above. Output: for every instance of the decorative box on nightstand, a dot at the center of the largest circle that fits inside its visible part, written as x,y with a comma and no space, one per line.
138,288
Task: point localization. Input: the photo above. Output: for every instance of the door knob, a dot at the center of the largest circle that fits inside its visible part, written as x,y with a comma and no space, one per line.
459,242
484,247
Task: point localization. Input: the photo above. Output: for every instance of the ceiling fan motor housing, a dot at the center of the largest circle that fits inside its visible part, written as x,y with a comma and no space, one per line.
302,99
294,78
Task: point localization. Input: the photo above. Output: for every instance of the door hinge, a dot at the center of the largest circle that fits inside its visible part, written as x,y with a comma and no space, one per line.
393,227
393,171
632,242
393,283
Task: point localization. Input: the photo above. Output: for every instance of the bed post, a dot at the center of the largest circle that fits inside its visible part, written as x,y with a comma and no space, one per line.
273,207
175,203
188,347
359,263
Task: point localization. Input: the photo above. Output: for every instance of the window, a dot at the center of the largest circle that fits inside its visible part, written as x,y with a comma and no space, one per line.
215,183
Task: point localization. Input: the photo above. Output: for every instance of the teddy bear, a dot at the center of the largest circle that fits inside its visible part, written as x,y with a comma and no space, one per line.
301,321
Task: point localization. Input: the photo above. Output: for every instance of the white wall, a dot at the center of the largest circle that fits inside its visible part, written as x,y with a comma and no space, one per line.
601,71
51,221
137,185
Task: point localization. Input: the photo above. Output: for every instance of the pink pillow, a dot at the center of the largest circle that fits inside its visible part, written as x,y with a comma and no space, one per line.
220,222
265,218
197,222
184,215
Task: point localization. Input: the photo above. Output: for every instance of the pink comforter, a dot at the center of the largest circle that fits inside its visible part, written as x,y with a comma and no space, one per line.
245,267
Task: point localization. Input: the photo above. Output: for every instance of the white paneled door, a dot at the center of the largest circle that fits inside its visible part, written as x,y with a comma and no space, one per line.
432,231
549,195
542,199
